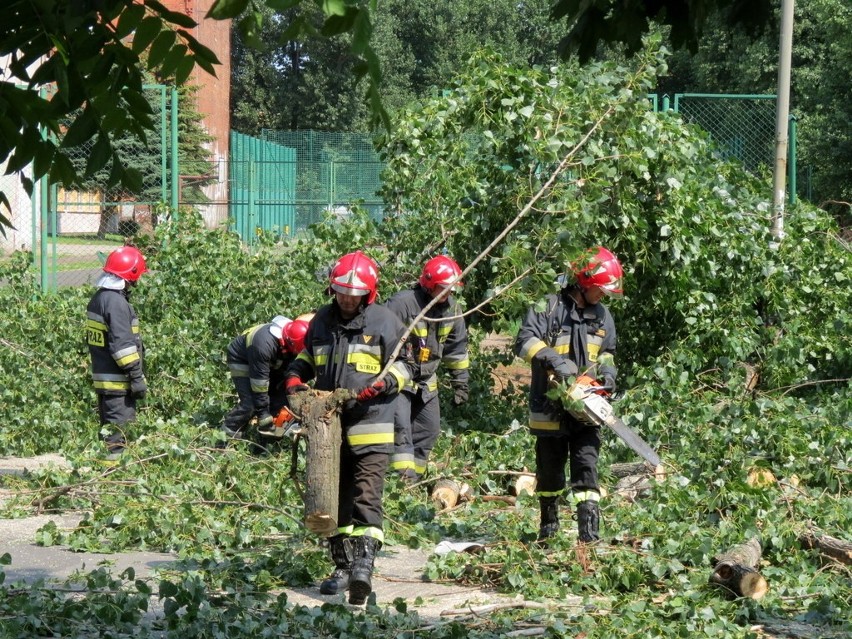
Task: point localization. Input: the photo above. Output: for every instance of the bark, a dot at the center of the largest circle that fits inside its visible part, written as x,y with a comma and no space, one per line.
319,412
632,487
636,468
736,570
828,546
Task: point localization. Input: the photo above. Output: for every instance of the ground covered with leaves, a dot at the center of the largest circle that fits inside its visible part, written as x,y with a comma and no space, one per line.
734,356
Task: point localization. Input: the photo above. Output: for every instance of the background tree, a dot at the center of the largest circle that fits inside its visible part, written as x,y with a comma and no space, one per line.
727,60
69,63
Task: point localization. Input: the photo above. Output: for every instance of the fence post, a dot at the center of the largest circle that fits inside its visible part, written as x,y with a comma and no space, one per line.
791,162
251,235
174,142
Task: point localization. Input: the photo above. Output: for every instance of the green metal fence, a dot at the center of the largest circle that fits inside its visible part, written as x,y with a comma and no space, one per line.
262,177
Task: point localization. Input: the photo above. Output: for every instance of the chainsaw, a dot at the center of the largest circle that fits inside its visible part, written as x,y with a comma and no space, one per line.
587,403
284,424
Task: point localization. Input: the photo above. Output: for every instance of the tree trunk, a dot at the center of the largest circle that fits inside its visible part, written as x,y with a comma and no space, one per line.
319,412
828,546
736,570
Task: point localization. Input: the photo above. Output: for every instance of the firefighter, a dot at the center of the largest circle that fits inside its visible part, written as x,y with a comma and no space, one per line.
115,345
348,344
258,359
574,334
439,338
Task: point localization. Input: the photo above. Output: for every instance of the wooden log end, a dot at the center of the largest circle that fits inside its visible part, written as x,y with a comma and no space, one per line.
445,494
740,580
321,524
524,485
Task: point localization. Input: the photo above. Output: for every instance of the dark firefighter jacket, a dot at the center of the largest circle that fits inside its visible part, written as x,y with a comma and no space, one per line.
343,353
112,333
433,343
256,353
585,336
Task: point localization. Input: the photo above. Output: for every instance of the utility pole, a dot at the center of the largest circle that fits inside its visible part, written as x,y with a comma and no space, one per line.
782,114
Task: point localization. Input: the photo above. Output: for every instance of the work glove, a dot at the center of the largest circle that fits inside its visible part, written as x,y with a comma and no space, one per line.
386,386
138,387
295,385
608,382
460,395
561,367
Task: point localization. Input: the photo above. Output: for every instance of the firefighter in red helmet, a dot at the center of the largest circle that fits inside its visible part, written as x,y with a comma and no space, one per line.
574,334
348,344
115,345
258,359
439,339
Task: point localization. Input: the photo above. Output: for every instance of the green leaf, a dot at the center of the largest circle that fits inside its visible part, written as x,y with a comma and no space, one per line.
225,9
148,29
334,7
129,20
99,155
82,129
174,17
160,47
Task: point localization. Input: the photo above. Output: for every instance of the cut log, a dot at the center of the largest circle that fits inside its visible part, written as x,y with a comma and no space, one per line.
760,477
637,468
736,570
445,494
523,484
319,412
633,487
828,546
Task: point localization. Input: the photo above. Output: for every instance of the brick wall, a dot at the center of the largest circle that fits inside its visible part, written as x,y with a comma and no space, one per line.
213,97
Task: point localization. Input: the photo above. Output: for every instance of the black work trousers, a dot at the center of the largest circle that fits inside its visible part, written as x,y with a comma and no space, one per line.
362,485
241,414
579,447
116,410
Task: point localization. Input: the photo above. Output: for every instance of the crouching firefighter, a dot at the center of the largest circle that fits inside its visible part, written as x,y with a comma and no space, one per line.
574,334
348,344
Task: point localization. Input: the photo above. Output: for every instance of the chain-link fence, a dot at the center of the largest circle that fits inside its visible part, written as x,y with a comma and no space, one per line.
742,126
70,231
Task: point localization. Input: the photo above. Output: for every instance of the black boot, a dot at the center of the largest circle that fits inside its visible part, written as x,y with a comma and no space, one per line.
341,554
588,521
549,524
360,586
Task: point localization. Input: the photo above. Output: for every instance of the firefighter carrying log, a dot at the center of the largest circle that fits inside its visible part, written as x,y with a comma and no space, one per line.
440,338
348,344
574,334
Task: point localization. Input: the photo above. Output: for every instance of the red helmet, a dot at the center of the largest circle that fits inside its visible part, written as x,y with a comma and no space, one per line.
440,271
126,262
293,338
355,274
601,269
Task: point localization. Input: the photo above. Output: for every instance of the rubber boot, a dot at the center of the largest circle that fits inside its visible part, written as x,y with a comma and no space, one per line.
549,524
360,585
341,554
588,521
